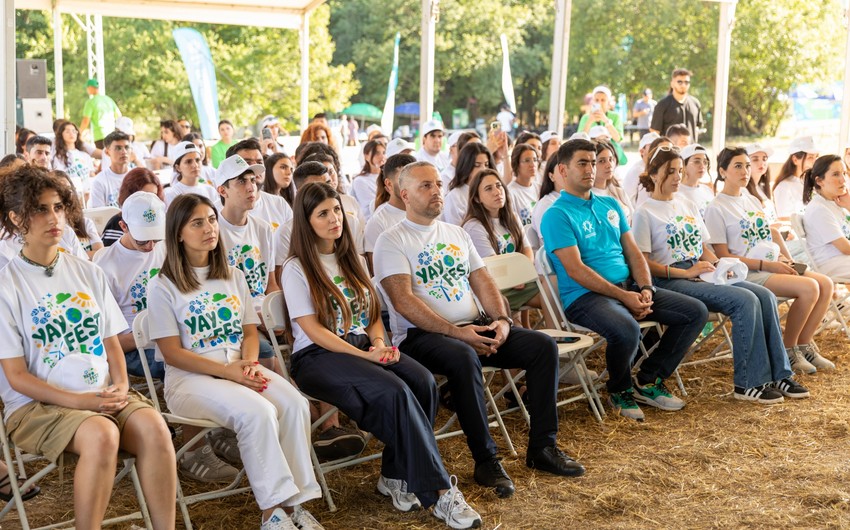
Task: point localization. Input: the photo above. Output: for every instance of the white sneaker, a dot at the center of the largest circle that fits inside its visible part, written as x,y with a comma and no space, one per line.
452,509
202,464
223,442
278,521
798,362
811,353
396,489
304,519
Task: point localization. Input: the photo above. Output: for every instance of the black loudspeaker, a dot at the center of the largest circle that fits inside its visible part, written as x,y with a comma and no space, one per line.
31,78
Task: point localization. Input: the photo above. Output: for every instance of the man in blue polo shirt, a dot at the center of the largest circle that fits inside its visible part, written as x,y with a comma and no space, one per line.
605,286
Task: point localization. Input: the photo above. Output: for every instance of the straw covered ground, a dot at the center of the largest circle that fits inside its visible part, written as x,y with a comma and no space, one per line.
719,463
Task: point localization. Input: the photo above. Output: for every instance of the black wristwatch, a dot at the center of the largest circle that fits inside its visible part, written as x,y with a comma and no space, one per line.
506,318
648,288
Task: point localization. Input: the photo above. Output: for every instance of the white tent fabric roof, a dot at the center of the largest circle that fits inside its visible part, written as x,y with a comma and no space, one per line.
268,13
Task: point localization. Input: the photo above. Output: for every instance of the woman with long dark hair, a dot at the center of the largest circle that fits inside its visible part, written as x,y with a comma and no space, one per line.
473,158
365,184
341,357
204,324
278,181
69,155
169,137
788,186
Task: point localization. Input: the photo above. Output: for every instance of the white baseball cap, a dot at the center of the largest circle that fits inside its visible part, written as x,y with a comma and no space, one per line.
399,145
125,125
234,166
647,139
268,120
144,215
598,130
692,149
759,148
548,135
431,126
579,136
805,144
454,137
604,89
182,149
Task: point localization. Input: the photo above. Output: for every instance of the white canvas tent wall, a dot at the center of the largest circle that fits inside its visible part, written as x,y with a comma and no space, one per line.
283,14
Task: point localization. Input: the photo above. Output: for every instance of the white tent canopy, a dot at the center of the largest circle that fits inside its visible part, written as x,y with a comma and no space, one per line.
284,14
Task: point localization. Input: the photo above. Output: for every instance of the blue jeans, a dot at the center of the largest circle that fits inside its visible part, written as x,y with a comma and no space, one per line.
757,351
266,350
684,317
134,364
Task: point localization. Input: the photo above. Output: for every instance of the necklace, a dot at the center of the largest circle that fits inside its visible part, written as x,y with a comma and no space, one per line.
48,269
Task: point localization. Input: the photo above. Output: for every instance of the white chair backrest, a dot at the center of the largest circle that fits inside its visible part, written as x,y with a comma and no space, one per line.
100,216
549,291
142,337
509,270
274,319
532,238
797,225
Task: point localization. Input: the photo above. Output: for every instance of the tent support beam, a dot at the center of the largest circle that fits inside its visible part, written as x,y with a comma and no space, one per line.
560,56
721,88
430,15
305,69
58,74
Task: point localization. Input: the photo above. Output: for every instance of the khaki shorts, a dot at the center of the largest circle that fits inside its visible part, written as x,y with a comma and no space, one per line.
758,277
519,297
42,429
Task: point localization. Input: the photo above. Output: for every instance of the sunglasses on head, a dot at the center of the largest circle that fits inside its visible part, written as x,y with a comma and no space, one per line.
665,149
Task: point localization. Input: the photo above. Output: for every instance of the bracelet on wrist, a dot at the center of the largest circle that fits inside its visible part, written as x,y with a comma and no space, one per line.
380,339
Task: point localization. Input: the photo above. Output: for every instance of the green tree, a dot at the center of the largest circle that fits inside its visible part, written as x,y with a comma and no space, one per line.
258,69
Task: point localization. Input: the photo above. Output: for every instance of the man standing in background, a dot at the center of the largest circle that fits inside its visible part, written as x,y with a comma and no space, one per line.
678,107
100,111
643,112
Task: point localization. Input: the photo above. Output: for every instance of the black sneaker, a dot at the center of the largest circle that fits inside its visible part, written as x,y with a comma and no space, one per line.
764,394
553,460
338,442
491,474
790,388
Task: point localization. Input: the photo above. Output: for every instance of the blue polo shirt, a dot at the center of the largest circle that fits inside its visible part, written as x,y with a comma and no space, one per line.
595,226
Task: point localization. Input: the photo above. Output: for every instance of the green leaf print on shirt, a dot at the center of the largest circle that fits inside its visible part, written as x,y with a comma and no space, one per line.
66,323
443,270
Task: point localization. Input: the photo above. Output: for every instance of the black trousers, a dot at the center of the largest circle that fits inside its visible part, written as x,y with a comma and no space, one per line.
529,350
396,403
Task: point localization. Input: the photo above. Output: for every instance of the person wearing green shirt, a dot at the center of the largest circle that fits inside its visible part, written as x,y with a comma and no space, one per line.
100,111
600,113
219,150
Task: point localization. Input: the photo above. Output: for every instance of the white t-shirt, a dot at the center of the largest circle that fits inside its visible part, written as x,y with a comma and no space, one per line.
447,174
69,243
79,168
670,231
481,241
105,188
506,120
456,204
177,188
128,273
825,222
523,199
299,303
739,222
788,197
701,195
282,240
250,248
440,160
57,324
766,204
364,188
355,220
93,237
384,218
272,209
207,174
619,195
158,149
631,182
439,259
208,320
540,208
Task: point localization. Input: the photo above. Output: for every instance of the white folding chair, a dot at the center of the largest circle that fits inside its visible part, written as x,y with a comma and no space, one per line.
274,319
100,216
509,270
129,468
142,338
838,307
